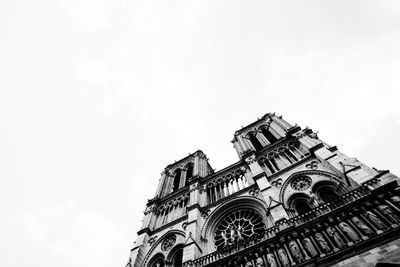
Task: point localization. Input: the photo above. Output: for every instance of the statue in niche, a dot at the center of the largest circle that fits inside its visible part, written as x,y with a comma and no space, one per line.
271,258
226,240
248,262
331,231
348,231
321,241
362,226
259,261
310,247
388,212
283,257
374,219
294,248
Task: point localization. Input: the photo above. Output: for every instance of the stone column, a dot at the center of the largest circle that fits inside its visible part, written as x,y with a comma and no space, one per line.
161,185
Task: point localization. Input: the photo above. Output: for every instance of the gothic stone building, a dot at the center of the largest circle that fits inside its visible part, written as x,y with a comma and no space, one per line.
290,200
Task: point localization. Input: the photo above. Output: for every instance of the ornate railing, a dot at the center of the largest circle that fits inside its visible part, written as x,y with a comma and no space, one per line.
358,217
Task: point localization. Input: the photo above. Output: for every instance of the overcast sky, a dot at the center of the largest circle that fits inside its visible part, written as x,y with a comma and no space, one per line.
98,96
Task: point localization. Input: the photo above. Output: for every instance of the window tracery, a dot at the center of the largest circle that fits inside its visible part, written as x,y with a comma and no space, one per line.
168,243
239,225
301,183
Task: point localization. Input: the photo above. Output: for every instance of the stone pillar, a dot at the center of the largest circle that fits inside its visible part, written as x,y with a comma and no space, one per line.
161,185
276,130
137,252
191,249
182,180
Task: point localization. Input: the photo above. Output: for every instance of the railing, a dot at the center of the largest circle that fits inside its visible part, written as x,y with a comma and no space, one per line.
282,157
356,217
226,184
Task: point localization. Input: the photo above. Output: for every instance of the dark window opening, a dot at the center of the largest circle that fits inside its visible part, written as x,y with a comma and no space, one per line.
189,174
327,194
270,137
302,206
256,144
177,180
177,259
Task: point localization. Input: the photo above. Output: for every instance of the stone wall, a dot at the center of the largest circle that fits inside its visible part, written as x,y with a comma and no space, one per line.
387,253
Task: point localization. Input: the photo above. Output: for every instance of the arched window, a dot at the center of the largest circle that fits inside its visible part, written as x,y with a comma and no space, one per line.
157,261
256,144
302,206
327,191
327,194
177,179
189,174
270,137
301,203
177,258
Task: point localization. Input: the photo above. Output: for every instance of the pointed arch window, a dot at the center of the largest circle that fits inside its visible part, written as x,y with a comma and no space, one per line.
189,174
270,137
256,144
177,179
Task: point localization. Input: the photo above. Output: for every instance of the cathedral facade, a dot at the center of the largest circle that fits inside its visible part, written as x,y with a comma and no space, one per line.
290,200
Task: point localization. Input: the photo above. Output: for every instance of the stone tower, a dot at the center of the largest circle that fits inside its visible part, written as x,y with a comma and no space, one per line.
290,200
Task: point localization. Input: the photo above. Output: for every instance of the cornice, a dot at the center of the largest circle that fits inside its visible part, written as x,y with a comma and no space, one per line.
144,230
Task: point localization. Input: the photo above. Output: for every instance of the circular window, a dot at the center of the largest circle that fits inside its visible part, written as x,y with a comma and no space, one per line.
301,183
238,226
168,243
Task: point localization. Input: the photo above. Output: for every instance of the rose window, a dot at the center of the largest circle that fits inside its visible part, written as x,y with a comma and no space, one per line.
301,183
237,226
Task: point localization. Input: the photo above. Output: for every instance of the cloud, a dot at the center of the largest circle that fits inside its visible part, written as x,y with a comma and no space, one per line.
69,236
92,15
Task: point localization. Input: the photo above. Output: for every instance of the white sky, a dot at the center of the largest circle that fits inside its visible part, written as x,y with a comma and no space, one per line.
98,96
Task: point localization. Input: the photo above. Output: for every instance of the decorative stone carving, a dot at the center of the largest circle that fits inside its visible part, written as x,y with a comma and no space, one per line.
184,225
313,165
168,242
348,231
301,183
294,248
259,260
251,159
362,226
271,258
248,262
205,213
389,214
254,192
322,242
283,257
152,240
331,231
277,183
374,219
310,247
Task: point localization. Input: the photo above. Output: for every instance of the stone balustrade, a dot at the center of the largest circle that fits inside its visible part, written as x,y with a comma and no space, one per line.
324,234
